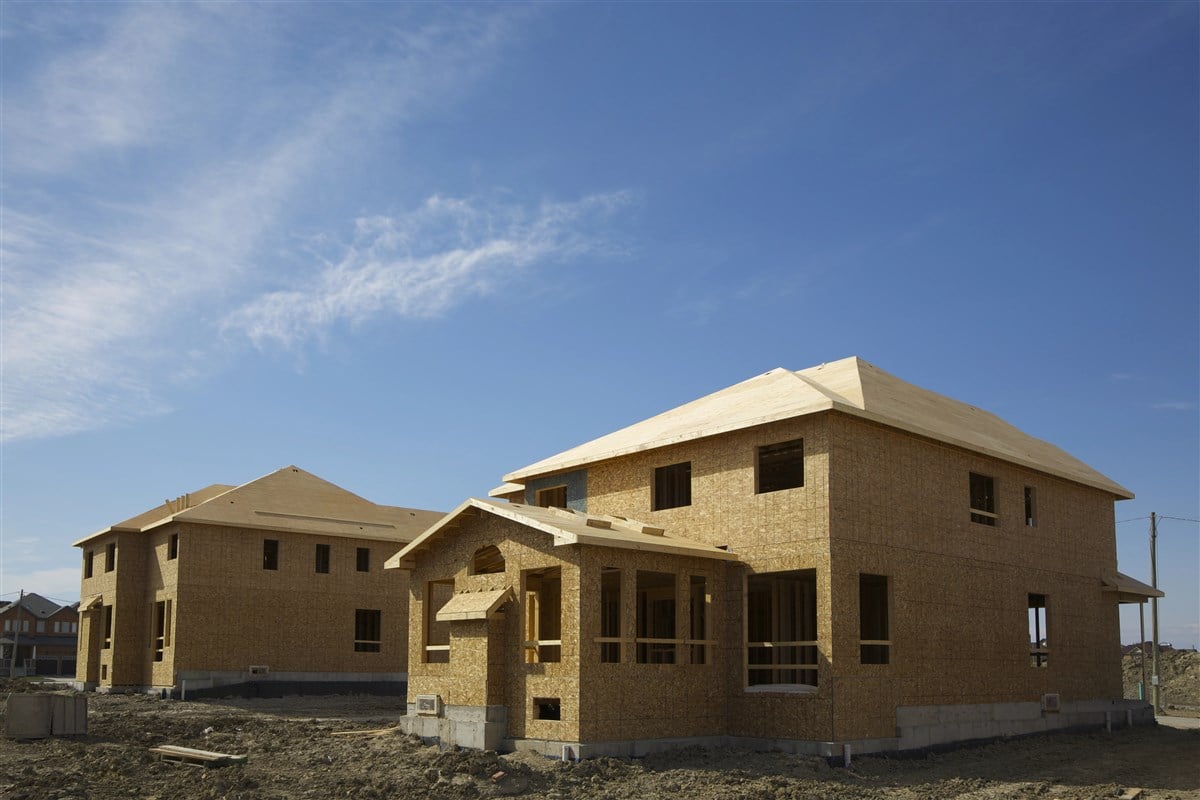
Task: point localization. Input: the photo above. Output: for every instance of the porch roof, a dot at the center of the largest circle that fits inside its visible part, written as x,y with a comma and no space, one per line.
473,605
567,527
1130,590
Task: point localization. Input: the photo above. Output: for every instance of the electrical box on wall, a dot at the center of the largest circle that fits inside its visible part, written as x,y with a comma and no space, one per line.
429,705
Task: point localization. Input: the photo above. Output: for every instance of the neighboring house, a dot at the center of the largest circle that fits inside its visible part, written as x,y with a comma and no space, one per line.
805,560
44,633
276,583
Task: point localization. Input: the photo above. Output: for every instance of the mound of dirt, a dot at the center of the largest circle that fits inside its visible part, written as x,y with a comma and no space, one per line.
1178,672
293,754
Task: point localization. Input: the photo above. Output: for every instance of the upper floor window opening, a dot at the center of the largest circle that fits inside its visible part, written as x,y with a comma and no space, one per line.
780,466
1030,507
487,561
983,499
270,554
362,559
553,497
672,486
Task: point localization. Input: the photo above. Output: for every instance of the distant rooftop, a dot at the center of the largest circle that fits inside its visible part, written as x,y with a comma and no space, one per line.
289,499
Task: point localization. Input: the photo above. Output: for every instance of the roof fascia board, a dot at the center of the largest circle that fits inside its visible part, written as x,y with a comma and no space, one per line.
661,546
396,561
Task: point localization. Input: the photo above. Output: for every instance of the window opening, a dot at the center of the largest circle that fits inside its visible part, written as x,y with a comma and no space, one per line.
160,629
547,708
110,557
106,614
173,547
698,616
270,554
781,647
88,559
610,615
1039,653
362,559
656,642
874,645
543,615
322,559
781,466
368,630
672,486
487,561
983,499
437,634
1030,507
554,497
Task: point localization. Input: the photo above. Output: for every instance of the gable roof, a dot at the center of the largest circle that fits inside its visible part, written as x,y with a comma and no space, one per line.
34,604
566,527
851,386
289,499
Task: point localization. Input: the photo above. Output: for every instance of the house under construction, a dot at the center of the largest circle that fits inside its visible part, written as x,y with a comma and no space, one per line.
271,586
806,560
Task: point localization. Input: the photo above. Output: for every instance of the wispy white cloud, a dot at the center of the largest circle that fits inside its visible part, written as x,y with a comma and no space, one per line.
1174,405
150,204
424,263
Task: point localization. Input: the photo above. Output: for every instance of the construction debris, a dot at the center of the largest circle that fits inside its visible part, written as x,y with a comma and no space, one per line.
196,758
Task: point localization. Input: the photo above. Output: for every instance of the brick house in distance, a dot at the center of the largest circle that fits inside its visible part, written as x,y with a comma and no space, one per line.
804,560
277,584
44,633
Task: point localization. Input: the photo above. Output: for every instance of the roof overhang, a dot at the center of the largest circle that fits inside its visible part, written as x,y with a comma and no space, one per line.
474,605
567,528
92,602
1129,590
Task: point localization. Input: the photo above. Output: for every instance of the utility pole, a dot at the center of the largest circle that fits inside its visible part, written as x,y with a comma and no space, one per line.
1155,694
12,664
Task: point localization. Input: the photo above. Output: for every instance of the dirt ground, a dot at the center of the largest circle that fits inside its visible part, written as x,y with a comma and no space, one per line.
293,753
1179,674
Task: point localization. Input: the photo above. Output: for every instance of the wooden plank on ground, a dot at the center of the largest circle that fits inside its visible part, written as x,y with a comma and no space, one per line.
197,758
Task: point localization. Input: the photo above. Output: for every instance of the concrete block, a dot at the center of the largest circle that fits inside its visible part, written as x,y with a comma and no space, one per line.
68,716
28,716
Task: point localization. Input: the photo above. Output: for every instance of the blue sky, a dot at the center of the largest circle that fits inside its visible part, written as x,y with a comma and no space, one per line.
413,247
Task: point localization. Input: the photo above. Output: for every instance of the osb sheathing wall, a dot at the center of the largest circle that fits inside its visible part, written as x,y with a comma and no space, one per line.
473,677
228,613
231,613
599,701
628,700
959,589
121,588
773,532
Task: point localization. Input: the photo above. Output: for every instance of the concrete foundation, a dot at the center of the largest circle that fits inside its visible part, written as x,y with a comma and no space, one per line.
918,727
192,685
472,727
